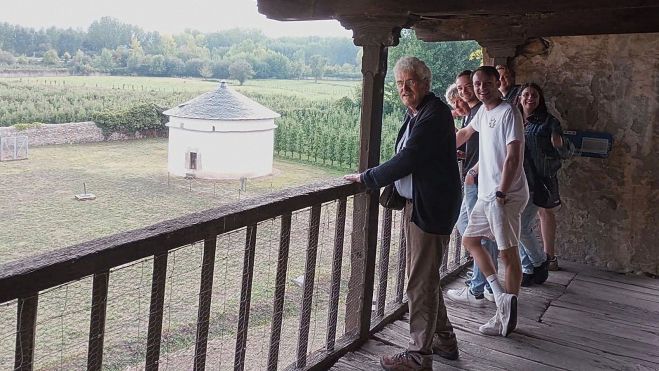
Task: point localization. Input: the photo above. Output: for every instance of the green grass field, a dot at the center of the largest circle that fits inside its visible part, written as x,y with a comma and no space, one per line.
133,190
308,89
79,98
132,187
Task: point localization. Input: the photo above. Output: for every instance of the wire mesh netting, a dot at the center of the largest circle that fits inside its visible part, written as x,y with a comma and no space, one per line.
291,308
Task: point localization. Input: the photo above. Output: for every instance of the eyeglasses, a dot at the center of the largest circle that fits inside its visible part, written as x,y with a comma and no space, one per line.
410,83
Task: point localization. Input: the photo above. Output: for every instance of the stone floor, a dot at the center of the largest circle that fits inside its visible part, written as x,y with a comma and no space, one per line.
580,319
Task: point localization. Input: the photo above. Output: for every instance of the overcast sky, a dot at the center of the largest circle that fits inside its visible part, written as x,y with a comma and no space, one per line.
160,15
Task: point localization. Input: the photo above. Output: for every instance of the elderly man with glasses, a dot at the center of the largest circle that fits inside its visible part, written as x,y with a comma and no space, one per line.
425,172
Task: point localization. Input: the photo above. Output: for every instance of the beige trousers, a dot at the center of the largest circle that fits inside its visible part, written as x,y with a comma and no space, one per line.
424,294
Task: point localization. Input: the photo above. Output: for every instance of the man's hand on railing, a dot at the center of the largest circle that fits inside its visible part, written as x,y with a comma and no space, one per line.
355,178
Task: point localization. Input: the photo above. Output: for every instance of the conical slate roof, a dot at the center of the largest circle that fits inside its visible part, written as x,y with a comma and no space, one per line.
222,103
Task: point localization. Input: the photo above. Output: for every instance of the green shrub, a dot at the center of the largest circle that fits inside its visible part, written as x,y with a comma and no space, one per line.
146,116
25,126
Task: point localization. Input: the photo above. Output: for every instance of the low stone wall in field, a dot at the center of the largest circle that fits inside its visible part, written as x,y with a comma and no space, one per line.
70,133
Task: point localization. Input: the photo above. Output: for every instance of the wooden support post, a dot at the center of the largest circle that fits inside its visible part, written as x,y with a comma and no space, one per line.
375,37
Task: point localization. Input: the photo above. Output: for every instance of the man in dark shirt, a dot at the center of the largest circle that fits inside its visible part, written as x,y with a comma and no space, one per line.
425,172
478,289
509,90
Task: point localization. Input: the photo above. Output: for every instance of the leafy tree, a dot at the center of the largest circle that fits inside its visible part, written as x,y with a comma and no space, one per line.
192,66
68,41
317,64
298,70
108,32
105,61
189,47
241,70
221,69
120,56
7,58
174,66
278,64
152,43
445,59
50,57
167,45
206,71
156,65
81,64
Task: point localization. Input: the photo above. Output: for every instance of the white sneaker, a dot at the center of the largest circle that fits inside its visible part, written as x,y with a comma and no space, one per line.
488,295
508,311
493,326
466,297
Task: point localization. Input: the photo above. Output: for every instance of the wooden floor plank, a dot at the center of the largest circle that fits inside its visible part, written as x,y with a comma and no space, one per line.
609,310
562,277
631,279
540,350
580,319
600,324
607,345
607,293
642,292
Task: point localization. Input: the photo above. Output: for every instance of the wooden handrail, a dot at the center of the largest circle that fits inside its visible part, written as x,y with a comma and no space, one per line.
24,277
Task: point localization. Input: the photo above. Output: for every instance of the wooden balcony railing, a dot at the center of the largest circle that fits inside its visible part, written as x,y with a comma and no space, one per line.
194,310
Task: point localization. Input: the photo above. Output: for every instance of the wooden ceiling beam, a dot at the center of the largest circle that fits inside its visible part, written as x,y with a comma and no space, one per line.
483,28
288,10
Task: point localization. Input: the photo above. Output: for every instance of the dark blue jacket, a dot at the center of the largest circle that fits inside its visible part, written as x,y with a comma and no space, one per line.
540,156
429,155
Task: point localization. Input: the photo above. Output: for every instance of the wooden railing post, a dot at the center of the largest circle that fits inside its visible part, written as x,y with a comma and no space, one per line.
309,277
384,261
25,332
205,297
245,298
337,260
402,262
154,334
375,36
97,320
280,289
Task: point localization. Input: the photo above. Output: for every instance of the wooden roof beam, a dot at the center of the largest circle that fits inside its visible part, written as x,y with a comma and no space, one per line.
289,10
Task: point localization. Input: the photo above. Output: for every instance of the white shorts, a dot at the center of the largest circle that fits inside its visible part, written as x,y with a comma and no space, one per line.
497,222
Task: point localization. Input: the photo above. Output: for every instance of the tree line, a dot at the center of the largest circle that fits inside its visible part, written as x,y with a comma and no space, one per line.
111,46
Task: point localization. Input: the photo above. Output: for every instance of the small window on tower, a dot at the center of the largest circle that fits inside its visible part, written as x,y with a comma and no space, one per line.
193,161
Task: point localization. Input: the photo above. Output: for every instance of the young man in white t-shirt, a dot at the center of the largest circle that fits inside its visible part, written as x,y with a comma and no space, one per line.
502,195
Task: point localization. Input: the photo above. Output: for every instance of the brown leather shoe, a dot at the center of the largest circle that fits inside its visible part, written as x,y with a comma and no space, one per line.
406,361
443,350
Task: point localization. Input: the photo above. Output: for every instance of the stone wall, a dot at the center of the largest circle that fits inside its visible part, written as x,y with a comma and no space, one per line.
604,83
71,133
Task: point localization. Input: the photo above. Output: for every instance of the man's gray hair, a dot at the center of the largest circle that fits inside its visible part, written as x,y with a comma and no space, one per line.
416,65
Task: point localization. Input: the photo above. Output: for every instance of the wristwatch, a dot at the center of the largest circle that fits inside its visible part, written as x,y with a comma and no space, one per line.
500,194
473,173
